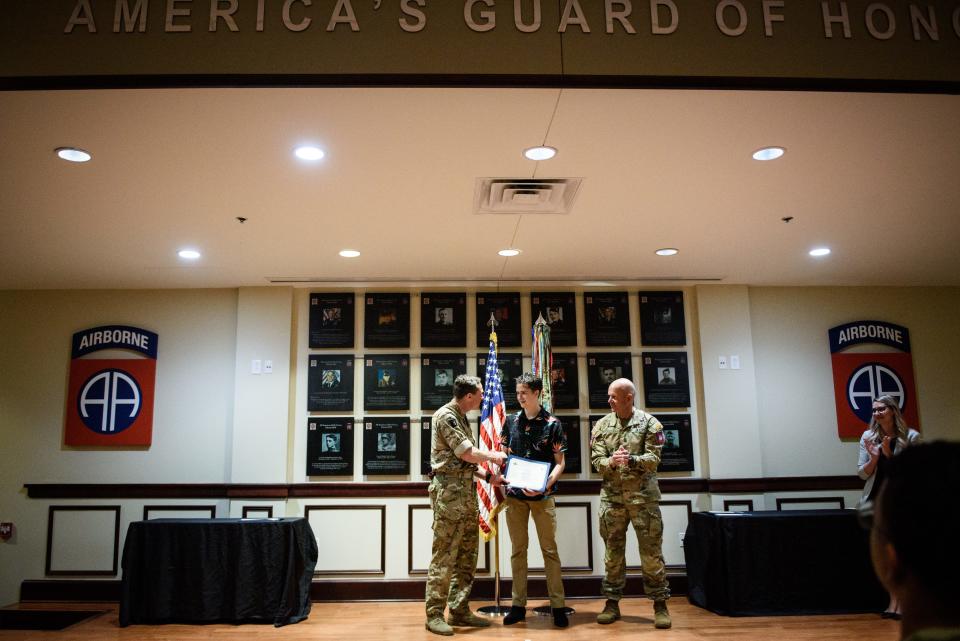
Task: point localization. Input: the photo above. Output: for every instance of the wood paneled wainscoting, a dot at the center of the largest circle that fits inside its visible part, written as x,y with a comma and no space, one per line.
376,536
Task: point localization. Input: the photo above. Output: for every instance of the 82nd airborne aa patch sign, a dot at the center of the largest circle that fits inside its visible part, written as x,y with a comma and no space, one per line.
860,377
110,400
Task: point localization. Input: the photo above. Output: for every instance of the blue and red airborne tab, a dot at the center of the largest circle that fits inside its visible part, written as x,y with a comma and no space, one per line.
860,377
110,400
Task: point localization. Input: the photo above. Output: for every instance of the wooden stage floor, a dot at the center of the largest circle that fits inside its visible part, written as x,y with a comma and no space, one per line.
404,622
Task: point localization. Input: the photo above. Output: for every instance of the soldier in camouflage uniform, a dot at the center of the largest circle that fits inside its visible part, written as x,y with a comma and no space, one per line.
625,448
453,461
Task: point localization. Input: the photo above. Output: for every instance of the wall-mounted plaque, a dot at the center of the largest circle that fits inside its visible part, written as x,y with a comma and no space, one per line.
571,427
677,452
386,445
505,308
426,444
443,320
665,379
330,383
564,383
604,368
661,318
331,320
559,309
386,321
509,367
606,318
329,446
437,372
386,382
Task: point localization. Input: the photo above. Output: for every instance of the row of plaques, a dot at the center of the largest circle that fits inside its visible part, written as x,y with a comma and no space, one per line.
386,319
386,444
386,379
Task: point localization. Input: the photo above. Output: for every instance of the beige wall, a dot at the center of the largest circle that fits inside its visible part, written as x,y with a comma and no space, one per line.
794,387
193,411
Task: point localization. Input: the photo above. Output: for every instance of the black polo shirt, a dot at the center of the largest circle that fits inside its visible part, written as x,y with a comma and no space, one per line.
536,439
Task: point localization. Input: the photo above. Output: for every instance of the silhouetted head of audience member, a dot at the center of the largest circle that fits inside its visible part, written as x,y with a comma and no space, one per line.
915,537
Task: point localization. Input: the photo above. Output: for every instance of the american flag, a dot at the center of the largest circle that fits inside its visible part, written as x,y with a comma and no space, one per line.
492,418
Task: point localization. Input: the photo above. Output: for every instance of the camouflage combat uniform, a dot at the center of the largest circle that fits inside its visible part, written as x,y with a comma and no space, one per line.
630,494
453,497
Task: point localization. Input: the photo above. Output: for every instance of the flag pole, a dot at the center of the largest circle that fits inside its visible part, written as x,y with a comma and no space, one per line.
495,610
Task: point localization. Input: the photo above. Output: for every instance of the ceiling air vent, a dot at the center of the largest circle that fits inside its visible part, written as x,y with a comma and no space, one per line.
525,195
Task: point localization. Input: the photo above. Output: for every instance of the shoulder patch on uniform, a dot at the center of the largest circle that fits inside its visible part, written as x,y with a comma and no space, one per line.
660,437
451,421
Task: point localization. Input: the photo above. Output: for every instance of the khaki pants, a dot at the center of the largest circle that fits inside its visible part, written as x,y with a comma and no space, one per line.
544,515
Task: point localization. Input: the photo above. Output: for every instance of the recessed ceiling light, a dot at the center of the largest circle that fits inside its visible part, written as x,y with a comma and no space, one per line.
540,153
349,253
509,252
667,251
73,154
189,254
768,153
308,152
820,251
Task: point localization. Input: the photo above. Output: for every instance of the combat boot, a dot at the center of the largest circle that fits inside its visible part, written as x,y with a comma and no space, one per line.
438,626
611,612
661,618
468,619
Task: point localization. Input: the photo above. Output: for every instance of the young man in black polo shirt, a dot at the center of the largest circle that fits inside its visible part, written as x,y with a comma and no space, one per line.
534,433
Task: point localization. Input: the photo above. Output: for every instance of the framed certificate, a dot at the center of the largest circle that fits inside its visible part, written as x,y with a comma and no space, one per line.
527,474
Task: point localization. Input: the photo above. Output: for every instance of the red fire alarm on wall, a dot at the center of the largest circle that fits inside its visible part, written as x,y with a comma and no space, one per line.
6,531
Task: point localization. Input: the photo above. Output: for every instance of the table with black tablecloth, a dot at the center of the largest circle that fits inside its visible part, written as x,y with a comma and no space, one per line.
206,570
775,563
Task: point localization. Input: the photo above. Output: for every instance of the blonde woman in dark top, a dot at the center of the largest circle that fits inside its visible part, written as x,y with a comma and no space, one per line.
887,436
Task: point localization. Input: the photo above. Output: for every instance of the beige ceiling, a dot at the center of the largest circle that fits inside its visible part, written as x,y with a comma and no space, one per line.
873,176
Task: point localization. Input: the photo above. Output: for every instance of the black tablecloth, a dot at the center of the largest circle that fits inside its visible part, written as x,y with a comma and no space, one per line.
774,563
205,570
